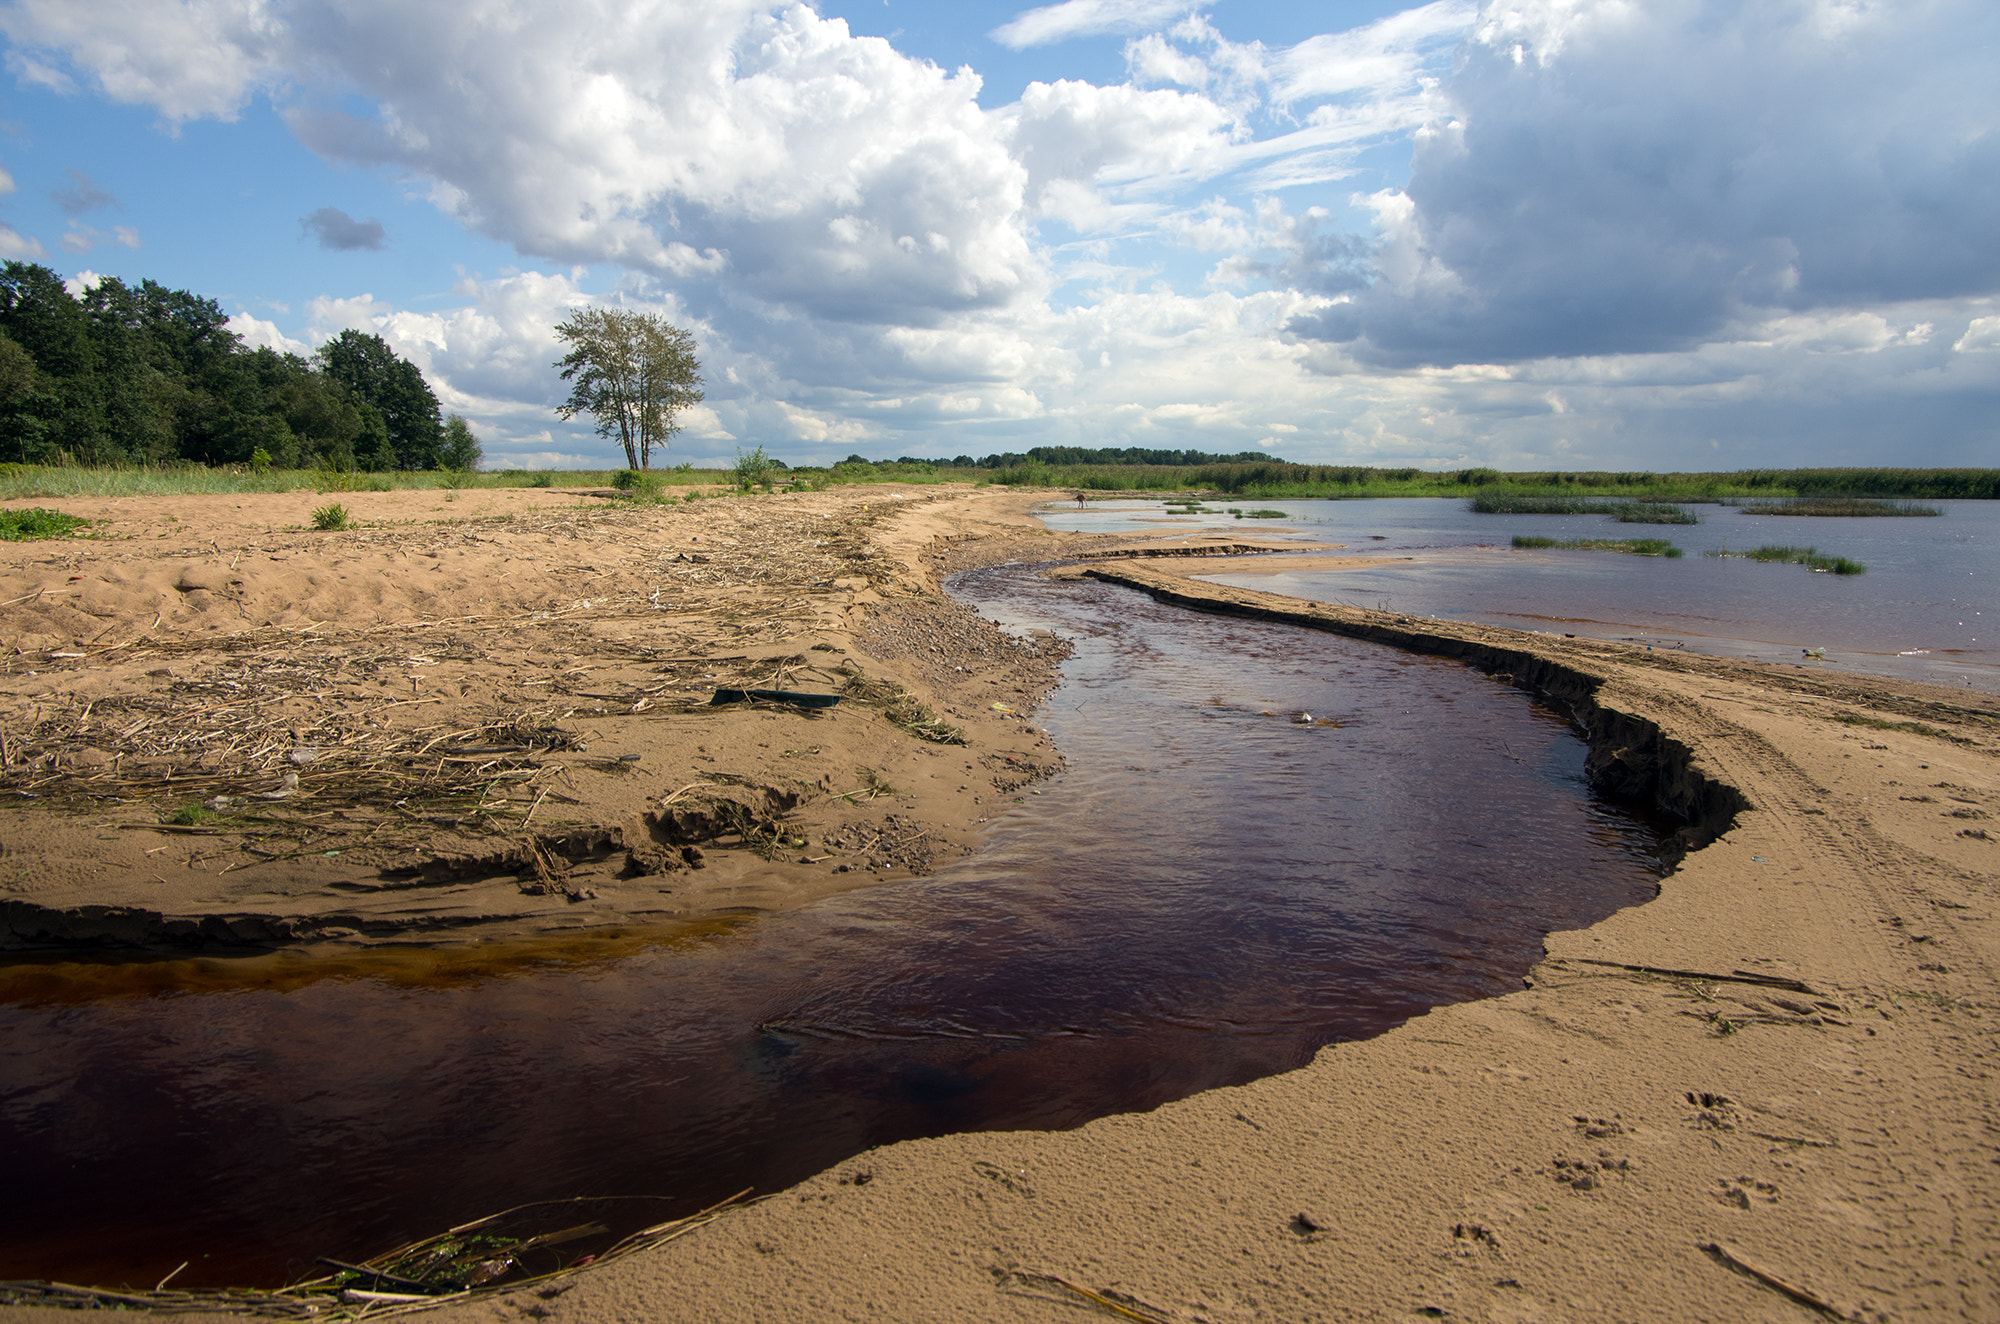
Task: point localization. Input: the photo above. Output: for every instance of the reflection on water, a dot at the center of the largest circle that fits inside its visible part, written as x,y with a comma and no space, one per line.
1920,611
1211,893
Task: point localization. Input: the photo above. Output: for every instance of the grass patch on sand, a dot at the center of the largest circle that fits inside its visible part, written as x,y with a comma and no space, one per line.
27,525
1837,506
901,708
1630,546
1805,556
1883,724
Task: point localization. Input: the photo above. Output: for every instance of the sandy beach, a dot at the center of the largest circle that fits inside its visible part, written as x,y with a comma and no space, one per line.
1767,1094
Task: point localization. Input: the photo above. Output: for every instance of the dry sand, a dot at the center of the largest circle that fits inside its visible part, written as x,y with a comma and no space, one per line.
476,719
1767,1094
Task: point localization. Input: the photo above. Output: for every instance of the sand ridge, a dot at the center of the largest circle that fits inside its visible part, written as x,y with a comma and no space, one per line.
477,719
1767,1094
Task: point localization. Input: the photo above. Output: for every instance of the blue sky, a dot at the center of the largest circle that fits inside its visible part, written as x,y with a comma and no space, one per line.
1544,233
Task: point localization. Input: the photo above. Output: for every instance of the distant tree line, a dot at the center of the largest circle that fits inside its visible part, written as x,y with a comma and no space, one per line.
123,375
1101,455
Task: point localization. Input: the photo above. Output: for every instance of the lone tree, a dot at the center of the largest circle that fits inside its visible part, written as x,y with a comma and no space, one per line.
633,372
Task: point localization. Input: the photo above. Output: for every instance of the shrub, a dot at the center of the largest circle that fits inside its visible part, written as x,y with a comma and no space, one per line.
331,518
752,468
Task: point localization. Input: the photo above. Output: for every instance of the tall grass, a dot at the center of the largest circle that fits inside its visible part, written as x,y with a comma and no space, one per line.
1836,506
56,482
1625,512
1274,480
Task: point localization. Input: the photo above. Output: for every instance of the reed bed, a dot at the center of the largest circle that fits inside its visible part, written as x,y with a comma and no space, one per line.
1630,546
1625,512
1839,506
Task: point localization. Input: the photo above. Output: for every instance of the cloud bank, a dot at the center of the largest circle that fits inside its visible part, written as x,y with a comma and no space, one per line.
1662,232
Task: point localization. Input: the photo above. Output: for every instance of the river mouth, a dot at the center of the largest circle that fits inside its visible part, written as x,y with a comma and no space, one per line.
1268,840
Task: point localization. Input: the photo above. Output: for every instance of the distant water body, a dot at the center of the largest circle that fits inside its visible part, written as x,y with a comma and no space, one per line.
1919,612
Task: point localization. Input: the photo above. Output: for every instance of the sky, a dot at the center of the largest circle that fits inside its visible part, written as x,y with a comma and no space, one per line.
1532,234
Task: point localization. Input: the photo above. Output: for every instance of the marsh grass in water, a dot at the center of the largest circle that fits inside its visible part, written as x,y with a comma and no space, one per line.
1836,506
1805,556
1631,546
1625,512
27,525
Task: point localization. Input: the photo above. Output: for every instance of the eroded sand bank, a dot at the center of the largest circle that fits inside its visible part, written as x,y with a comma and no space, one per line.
1767,1094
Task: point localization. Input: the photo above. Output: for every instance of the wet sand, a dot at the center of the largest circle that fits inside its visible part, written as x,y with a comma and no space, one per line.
1765,1095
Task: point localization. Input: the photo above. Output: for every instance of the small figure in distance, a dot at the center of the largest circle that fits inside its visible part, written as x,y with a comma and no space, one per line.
1079,501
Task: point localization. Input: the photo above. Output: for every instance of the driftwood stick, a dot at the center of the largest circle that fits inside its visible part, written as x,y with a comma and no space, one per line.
1737,1261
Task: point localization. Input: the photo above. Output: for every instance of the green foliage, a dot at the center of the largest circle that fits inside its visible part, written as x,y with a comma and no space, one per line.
640,485
1630,546
143,375
542,479
392,387
28,525
1263,514
331,518
260,461
191,816
753,468
459,448
1126,456
633,372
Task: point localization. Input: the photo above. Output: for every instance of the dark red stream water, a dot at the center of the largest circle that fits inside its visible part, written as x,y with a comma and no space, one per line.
1209,895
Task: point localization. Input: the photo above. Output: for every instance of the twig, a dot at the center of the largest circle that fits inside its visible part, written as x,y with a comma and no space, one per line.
684,790
1735,977
1736,1260
161,1286
133,640
1095,1298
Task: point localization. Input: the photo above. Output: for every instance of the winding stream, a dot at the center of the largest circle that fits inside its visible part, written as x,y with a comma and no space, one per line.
1212,892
